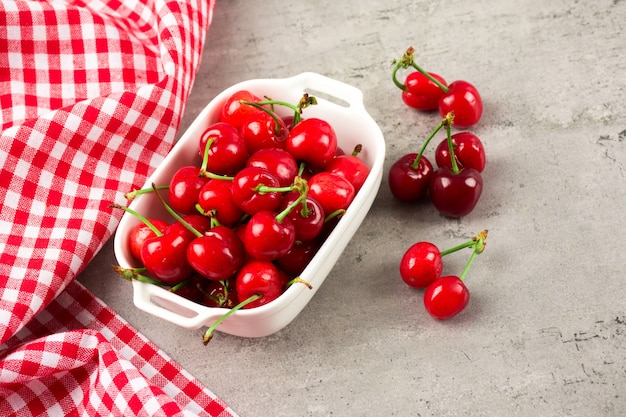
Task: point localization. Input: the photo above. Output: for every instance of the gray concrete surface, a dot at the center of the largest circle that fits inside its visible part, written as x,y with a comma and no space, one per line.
545,331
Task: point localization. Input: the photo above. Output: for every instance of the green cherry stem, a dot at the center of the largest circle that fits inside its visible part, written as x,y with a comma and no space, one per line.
204,172
446,121
133,194
134,274
455,166
305,101
408,60
266,110
477,243
177,216
208,335
141,218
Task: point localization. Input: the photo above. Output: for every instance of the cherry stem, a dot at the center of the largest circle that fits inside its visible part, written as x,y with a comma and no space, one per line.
305,101
176,215
132,194
406,61
299,280
455,166
301,199
357,149
139,216
205,162
479,247
446,121
268,111
133,274
336,213
477,243
208,335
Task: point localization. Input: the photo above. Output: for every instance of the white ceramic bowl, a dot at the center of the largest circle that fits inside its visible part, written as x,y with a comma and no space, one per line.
338,103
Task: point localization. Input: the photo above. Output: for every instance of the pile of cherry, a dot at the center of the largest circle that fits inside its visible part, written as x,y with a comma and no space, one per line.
454,188
254,210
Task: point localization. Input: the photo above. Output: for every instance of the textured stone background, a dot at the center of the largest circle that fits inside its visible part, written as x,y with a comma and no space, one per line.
545,331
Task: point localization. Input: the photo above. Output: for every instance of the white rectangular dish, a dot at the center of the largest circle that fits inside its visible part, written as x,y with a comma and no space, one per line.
339,104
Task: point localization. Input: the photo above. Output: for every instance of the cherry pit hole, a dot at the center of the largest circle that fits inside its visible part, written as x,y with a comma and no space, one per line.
328,97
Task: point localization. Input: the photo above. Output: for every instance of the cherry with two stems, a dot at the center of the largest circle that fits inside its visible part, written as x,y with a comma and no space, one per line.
447,296
455,191
459,97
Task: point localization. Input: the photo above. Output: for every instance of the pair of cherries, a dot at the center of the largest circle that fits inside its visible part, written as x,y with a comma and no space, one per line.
253,211
456,185
427,91
422,266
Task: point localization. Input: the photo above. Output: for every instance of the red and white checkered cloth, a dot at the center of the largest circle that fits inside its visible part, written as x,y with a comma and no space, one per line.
92,94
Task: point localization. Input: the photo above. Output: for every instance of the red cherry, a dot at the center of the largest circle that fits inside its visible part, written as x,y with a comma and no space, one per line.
313,141
227,152
421,93
407,181
165,256
216,198
258,278
332,191
267,238
260,131
247,195
309,224
455,195
464,101
216,255
141,232
184,187
298,257
468,151
277,161
351,167
446,297
421,264
234,112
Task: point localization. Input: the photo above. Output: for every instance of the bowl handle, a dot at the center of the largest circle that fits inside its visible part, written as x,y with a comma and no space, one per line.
335,91
172,308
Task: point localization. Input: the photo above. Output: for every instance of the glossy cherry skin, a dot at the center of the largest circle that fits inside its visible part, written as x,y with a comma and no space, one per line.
446,297
258,277
406,182
234,112
277,161
455,195
260,131
332,191
352,168
227,152
216,198
464,100
469,152
184,187
217,255
246,194
165,257
141,232
266,239
313,141
421,264
307,227
421,93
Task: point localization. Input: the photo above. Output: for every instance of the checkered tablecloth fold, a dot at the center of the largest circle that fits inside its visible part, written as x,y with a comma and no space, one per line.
91,98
